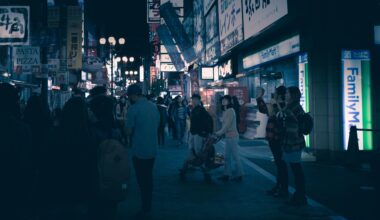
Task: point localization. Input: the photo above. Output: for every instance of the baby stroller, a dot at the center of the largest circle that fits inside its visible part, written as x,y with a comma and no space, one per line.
206,160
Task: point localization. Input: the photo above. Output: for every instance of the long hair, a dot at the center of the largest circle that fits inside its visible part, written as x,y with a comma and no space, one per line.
230,104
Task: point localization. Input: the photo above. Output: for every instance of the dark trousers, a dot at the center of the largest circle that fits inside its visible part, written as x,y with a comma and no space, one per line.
161,135
282,171
144,175
299,179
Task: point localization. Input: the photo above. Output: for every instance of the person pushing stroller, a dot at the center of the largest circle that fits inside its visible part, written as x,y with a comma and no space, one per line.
201,127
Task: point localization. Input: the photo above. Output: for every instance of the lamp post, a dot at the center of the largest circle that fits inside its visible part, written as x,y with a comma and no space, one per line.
112,43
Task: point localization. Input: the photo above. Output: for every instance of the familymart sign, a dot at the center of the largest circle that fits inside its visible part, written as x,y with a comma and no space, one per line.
357,96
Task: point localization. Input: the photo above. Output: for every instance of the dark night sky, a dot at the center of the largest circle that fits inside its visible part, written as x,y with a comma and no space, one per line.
122,18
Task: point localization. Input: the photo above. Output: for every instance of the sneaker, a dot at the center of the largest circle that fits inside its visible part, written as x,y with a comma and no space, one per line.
223,178
237,179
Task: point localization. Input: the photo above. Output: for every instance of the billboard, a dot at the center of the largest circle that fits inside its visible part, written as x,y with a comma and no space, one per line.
357,108
212,36
26,59
14,25
259,14
199,28
303,85
153,11
225,70
230,24
207,73
74,37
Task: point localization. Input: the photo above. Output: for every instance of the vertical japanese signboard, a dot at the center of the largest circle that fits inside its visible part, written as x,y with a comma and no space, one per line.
303,85
26,60
207,4
153,11
259,14
230,24
357,96
14,25
199,28
74,37
212,36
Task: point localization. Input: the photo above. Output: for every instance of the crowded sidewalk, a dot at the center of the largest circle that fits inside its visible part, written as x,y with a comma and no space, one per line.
196,199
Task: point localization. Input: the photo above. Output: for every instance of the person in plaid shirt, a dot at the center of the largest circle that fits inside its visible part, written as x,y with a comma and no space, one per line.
274,138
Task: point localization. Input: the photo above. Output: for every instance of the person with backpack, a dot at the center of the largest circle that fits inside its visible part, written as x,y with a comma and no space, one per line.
110,176
231,134
201,126
277,103
142,123
293,142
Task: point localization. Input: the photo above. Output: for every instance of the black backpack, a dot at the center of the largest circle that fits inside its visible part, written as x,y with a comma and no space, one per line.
305,123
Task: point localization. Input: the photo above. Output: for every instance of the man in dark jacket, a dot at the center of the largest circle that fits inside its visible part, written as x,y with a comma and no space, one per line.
201,126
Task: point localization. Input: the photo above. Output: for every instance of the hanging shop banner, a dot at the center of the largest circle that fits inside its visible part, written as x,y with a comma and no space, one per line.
153,12
259,14
207,73
74,37
225,70
194,81
357,96
175,3
199,30
26,59
284,48
230,24
303,85
207,4
165,58
167,67
14,25
212,36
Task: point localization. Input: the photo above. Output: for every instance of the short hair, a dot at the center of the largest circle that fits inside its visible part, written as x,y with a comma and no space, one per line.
134,89
295,93
196,96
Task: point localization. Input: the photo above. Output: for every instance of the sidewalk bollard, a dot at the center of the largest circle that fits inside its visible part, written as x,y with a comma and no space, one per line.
352,154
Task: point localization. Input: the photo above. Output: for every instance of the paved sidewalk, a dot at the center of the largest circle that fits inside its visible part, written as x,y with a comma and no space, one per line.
195,199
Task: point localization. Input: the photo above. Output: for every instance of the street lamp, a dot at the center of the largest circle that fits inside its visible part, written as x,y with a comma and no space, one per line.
131,59
112,43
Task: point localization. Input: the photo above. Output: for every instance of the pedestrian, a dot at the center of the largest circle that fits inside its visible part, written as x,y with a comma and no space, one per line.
105,128
163,120
271,109
231,139
236,106
201,126
15,156
142,123
171,125
293,142
179,115
67,165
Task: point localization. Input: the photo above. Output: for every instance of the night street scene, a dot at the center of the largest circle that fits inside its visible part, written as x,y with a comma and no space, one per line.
189,109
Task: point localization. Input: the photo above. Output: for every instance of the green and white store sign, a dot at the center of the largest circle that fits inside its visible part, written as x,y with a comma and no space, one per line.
303,85
357,96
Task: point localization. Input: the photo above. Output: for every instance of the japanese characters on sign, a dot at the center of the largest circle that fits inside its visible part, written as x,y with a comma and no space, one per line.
199,25
74,37
153,12
259,14
230,24
212,36
207,4
26,59
14,25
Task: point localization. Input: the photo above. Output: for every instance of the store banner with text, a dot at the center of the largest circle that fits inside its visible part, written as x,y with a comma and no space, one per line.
259,14
153,11
303,85
230,24
14,25
74,37
26,60
357,108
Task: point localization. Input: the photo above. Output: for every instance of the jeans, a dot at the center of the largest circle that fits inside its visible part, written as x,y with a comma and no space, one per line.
232,153
161,135
144,175
180,125
299,180
282,170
